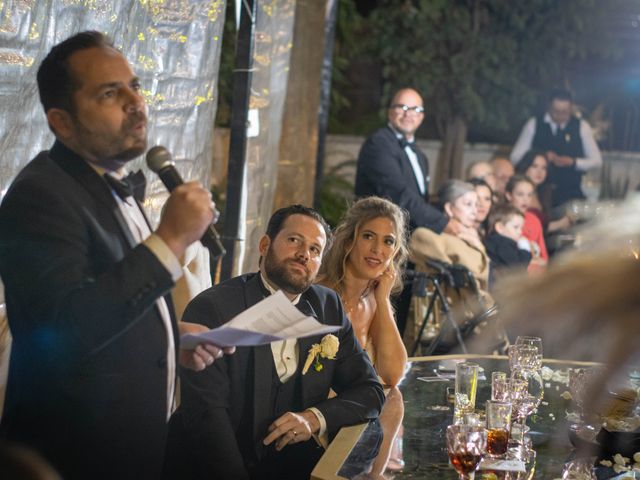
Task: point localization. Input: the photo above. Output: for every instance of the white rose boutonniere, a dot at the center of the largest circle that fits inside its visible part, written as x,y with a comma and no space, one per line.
327,348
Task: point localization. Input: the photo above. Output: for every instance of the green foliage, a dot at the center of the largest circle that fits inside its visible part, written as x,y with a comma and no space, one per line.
484,60
347,46
336,192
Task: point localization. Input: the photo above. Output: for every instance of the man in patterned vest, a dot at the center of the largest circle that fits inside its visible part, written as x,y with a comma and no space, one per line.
568,142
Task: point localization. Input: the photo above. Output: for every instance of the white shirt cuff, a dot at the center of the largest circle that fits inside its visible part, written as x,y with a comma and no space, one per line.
161,250
321,420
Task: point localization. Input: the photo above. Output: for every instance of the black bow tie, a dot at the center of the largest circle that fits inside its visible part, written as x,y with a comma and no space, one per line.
406,143
132,185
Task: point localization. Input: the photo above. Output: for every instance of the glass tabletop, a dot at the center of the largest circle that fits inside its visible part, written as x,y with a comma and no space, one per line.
428,410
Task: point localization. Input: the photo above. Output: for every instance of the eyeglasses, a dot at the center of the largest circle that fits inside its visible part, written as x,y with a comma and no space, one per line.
406,108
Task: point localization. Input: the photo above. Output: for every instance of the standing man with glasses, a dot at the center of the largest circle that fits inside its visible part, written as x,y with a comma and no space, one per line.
390,165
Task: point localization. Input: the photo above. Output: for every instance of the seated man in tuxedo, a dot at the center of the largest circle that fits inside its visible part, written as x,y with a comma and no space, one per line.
255,414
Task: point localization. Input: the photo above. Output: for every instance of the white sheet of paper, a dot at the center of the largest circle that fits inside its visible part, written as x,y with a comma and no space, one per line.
274,318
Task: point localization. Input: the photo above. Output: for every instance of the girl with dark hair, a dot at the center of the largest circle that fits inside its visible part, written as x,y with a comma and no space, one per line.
534,165
519,193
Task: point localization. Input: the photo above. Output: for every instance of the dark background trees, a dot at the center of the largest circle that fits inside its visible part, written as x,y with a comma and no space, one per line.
484,66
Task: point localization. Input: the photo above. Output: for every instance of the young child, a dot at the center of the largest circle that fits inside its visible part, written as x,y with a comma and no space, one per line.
505,244
519,193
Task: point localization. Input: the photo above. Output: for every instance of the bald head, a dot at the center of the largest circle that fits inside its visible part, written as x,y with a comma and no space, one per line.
502,170
406,112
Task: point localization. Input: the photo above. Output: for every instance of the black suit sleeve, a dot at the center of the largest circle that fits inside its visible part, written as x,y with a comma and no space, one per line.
380,174
60,264
206,397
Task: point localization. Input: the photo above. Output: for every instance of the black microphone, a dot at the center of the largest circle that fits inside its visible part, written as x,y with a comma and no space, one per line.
159,161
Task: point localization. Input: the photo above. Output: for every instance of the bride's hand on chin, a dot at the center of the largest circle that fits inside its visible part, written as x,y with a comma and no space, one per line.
384,283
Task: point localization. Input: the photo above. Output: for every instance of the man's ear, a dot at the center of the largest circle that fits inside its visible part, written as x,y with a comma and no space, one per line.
263,245
499,227
60,122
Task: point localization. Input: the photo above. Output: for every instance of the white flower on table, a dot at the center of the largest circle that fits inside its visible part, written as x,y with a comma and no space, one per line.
620,460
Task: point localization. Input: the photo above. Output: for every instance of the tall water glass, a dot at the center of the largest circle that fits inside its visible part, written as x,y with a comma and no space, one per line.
466,386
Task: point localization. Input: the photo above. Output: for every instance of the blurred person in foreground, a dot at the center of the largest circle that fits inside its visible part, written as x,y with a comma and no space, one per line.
95,340
262,412
364,265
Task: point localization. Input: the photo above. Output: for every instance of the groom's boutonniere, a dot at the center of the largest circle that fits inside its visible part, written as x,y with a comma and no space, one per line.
327,348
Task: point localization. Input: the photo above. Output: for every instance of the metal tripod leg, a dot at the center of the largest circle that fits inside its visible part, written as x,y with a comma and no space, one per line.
432,302
437,294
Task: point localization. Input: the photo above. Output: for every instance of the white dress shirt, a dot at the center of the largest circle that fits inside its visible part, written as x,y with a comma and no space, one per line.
285,357
142,234
413,160
592,157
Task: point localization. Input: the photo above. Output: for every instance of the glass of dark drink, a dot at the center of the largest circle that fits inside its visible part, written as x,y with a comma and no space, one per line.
466,445
498,427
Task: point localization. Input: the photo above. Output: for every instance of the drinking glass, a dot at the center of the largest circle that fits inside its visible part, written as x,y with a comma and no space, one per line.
499,390
498,427
526,395
533,342
535,387
466,385
466,445
524,356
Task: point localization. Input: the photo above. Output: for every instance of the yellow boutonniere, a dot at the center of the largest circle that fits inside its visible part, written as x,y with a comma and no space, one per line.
327,348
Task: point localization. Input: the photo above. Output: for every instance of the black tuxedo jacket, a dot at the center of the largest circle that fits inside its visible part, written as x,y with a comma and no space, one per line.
215,400
385,170
87,383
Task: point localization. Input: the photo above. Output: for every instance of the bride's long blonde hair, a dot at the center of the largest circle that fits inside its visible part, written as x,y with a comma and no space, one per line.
332,271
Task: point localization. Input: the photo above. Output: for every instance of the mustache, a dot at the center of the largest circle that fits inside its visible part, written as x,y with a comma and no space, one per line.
134,119
300,262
